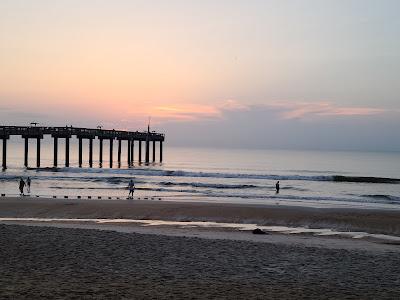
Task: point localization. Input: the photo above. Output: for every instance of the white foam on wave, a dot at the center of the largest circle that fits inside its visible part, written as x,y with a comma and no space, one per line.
183,173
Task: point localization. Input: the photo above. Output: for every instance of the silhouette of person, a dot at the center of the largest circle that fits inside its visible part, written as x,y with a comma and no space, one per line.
28,185
21,186
131,189
277,187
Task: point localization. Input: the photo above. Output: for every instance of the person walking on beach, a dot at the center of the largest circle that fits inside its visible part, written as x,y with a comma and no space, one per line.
21,186
28,185
131,187
277,187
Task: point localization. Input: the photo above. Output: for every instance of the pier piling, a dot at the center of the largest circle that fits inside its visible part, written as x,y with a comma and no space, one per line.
4,153
80,152
67,152
26,152
38,152
147,158
154,151
101,152
129,152
161,151
111,152
55,154
140,152
119,153
90,152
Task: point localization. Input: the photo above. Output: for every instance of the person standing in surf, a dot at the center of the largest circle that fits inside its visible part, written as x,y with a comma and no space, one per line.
277,187
28,184
131,187
21,186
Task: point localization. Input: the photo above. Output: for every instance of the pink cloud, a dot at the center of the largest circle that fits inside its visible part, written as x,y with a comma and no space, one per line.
186,112
233,105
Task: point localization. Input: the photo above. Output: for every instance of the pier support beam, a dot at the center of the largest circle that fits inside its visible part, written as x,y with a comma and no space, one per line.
131,150
119,153
111,152
80,152
147,156
140,151
101,152
161,151
26,152
55,154
4,153
67,152
90,153
154,151
38,152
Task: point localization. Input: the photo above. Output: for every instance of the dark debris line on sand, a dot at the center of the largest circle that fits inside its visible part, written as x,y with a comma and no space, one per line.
64,263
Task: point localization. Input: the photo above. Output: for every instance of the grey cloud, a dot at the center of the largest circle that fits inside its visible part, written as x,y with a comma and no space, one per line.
263,127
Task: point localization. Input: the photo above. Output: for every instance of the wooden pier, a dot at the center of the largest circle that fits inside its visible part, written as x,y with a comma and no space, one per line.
37,133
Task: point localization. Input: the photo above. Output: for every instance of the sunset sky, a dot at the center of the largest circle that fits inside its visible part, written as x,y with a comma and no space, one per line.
253,74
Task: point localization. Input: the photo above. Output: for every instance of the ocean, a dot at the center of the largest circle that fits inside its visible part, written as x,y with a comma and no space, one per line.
307,178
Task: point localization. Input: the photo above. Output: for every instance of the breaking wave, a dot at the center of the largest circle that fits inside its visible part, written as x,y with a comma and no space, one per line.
121,175
384,197
209,185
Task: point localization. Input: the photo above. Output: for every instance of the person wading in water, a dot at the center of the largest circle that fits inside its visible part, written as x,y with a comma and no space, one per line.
28,184
131,187
277,187
21,186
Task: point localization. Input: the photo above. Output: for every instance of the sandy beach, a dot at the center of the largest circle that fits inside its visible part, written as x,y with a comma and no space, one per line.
88,260
344,219
66,263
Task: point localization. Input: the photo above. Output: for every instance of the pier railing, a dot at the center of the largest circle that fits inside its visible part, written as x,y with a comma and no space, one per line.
37,132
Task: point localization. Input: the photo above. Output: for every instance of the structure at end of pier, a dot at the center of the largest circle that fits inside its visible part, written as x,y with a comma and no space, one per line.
67,132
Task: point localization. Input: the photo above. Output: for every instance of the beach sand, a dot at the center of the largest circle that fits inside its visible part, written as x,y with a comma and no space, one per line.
77,260
343,219
65,263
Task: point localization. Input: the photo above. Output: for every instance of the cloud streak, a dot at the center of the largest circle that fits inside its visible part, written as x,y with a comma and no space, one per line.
309,110
284,110
305,111
187,112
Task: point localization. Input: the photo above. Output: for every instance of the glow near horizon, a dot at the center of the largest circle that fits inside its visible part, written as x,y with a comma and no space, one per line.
189,60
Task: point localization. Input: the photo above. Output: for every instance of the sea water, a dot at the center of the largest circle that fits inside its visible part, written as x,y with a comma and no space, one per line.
307,178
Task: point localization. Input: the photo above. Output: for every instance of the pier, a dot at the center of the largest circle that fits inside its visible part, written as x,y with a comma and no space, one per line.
67,132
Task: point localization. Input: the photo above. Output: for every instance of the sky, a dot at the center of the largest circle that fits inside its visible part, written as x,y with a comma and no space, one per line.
242,74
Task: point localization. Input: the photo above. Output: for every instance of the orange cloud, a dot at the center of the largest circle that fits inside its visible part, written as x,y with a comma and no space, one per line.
186,112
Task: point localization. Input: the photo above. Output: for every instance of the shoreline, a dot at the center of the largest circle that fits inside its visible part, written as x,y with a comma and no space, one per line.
343,219
333,242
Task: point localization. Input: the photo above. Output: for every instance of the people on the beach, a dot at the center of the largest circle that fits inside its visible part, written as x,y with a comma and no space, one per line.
131,187
277,187
21,186
28,184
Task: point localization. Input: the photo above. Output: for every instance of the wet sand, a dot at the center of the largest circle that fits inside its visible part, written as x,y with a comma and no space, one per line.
66,263
343,219
81,260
